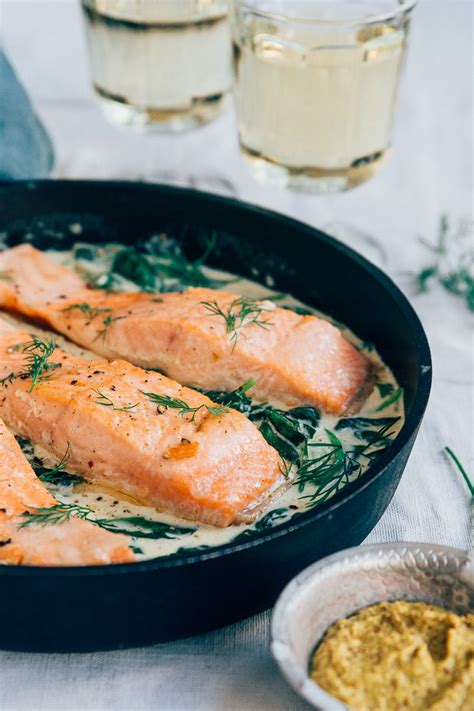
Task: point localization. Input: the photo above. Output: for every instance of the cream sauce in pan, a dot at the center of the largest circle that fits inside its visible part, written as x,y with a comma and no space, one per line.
179,535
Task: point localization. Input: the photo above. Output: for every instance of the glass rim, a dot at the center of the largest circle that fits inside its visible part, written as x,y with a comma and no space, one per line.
405,6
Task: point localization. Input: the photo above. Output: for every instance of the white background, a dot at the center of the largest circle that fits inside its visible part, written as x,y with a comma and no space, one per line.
429,172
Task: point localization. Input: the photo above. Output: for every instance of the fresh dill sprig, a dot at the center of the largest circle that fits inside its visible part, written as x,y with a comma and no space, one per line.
105,401
336,467
108,321
461,470
285,467
51,475
453,264
89,311
243,311
171,403
57,475
390,400
5,276
38,354
54,515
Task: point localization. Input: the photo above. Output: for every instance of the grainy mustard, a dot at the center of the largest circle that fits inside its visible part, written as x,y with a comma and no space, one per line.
399,655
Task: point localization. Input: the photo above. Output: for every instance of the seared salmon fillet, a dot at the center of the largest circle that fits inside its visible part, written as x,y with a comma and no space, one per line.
204,338
140,433
74,542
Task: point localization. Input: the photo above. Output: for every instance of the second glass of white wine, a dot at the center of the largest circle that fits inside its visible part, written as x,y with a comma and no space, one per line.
316,84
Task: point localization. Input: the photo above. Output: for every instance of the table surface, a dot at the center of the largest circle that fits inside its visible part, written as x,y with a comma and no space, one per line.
429,172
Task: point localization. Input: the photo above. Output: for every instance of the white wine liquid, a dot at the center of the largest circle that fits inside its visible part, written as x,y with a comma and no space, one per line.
159,60
316,102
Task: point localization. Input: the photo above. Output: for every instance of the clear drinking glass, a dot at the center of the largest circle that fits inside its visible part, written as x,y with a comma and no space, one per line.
316,86
163,64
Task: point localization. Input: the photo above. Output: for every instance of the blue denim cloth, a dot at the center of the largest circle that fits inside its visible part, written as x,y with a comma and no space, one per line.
25,147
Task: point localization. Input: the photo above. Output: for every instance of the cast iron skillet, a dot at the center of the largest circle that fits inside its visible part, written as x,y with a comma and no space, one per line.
79,609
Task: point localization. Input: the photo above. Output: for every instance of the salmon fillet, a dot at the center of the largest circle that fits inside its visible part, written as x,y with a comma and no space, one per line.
194,459
75,542
189,336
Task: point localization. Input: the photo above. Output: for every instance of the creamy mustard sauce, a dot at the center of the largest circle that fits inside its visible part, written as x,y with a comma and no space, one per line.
108,504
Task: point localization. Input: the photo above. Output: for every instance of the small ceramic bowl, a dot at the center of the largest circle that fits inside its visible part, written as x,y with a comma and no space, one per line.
343,583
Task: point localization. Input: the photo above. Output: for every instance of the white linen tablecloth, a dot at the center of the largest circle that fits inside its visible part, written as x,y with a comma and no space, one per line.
430,172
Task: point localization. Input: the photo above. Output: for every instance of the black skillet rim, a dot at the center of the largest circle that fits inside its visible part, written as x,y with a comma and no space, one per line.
410,426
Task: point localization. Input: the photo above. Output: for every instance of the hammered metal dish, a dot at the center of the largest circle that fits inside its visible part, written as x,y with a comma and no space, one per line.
342,584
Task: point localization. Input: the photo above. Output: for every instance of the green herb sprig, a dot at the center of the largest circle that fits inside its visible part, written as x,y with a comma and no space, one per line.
54,515
90,312
461,470
453,264
57,476
37,362
337,466
106,401
184,409
241,313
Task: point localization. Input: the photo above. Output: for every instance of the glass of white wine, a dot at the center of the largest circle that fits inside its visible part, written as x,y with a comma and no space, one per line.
159,64
316,85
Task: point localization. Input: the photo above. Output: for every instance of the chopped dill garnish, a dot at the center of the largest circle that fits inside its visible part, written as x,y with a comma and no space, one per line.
5,276
171,403
453,263
37,363
54,515
107,402
89,311
243,311
390,400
